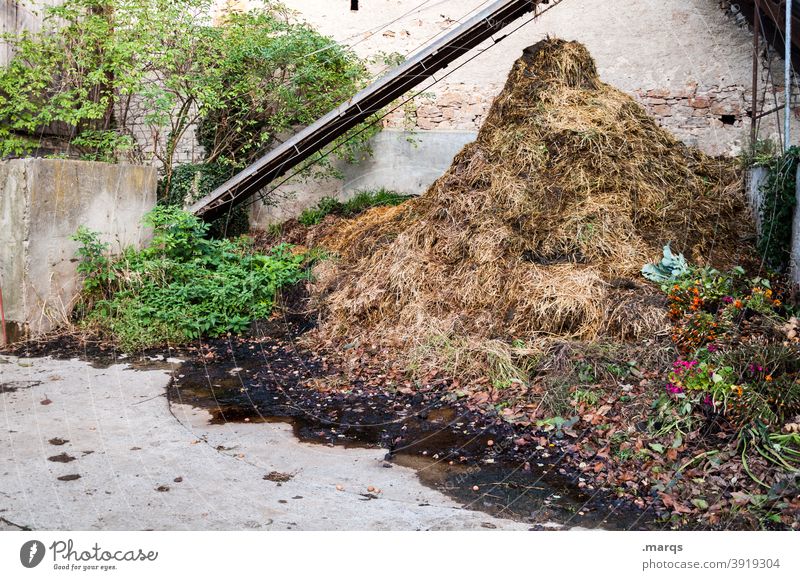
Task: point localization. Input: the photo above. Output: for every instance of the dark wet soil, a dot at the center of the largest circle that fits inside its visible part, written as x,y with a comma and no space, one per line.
477,460
14,386
265,378
61,458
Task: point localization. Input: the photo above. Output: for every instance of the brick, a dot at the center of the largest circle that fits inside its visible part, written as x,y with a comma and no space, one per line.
700,102
662,110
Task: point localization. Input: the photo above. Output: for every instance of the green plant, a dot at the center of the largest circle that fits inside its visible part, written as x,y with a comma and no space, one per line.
699,376
362,201
670,268
325,206
182,285
585,397
100,68
782,451
586,373
672,415
777,209
758,153
192,181
93,263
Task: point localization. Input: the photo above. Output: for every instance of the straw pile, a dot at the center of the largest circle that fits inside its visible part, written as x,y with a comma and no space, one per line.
541,226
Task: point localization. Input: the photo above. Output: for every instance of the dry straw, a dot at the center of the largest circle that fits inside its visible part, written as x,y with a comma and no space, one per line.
541,226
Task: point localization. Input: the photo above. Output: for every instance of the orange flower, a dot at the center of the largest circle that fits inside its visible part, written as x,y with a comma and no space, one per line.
768,378
737,304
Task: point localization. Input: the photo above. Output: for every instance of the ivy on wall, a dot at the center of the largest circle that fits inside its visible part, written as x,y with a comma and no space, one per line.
779,198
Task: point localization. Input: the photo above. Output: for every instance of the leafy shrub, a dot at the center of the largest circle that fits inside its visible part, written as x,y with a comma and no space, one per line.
99,69
777,209
735,368
182,285
745,379
362,201
192,181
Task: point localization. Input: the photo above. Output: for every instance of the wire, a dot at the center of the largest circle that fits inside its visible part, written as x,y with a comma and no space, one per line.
369,33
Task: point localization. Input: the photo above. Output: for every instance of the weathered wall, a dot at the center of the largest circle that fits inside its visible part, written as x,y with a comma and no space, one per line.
688,63
401,161
43,203
19,15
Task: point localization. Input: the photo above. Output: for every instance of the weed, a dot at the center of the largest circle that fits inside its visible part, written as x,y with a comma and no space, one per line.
182,286
586,397
362,201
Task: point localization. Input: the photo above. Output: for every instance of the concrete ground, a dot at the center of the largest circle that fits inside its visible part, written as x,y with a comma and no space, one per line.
143,464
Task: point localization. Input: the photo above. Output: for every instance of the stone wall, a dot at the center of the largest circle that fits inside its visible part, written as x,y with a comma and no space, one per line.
688,63
710,117
42,204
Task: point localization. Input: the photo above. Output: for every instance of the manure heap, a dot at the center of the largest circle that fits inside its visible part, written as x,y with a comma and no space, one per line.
542,225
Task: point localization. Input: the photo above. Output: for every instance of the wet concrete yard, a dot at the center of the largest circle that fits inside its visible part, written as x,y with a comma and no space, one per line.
231,436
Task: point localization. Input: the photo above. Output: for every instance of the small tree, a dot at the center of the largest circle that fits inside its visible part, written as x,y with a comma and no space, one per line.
128,79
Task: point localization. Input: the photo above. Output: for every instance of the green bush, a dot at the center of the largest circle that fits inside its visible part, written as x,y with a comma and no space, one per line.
100,69
192,181
182,286
362,201
777,209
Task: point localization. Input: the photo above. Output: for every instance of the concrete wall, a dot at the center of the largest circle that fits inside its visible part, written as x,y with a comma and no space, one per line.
16,16
406,162
42,204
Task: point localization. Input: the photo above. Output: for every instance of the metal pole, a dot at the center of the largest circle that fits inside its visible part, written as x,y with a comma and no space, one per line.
3,319
756,58
787,75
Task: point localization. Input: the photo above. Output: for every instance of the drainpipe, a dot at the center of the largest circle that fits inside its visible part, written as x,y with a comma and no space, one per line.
787,74
3,319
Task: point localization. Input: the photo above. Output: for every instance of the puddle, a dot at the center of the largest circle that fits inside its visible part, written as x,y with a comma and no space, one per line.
263,378
466,456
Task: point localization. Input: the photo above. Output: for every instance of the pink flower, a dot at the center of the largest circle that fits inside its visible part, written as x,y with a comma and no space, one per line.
682,365
674,390
712,348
